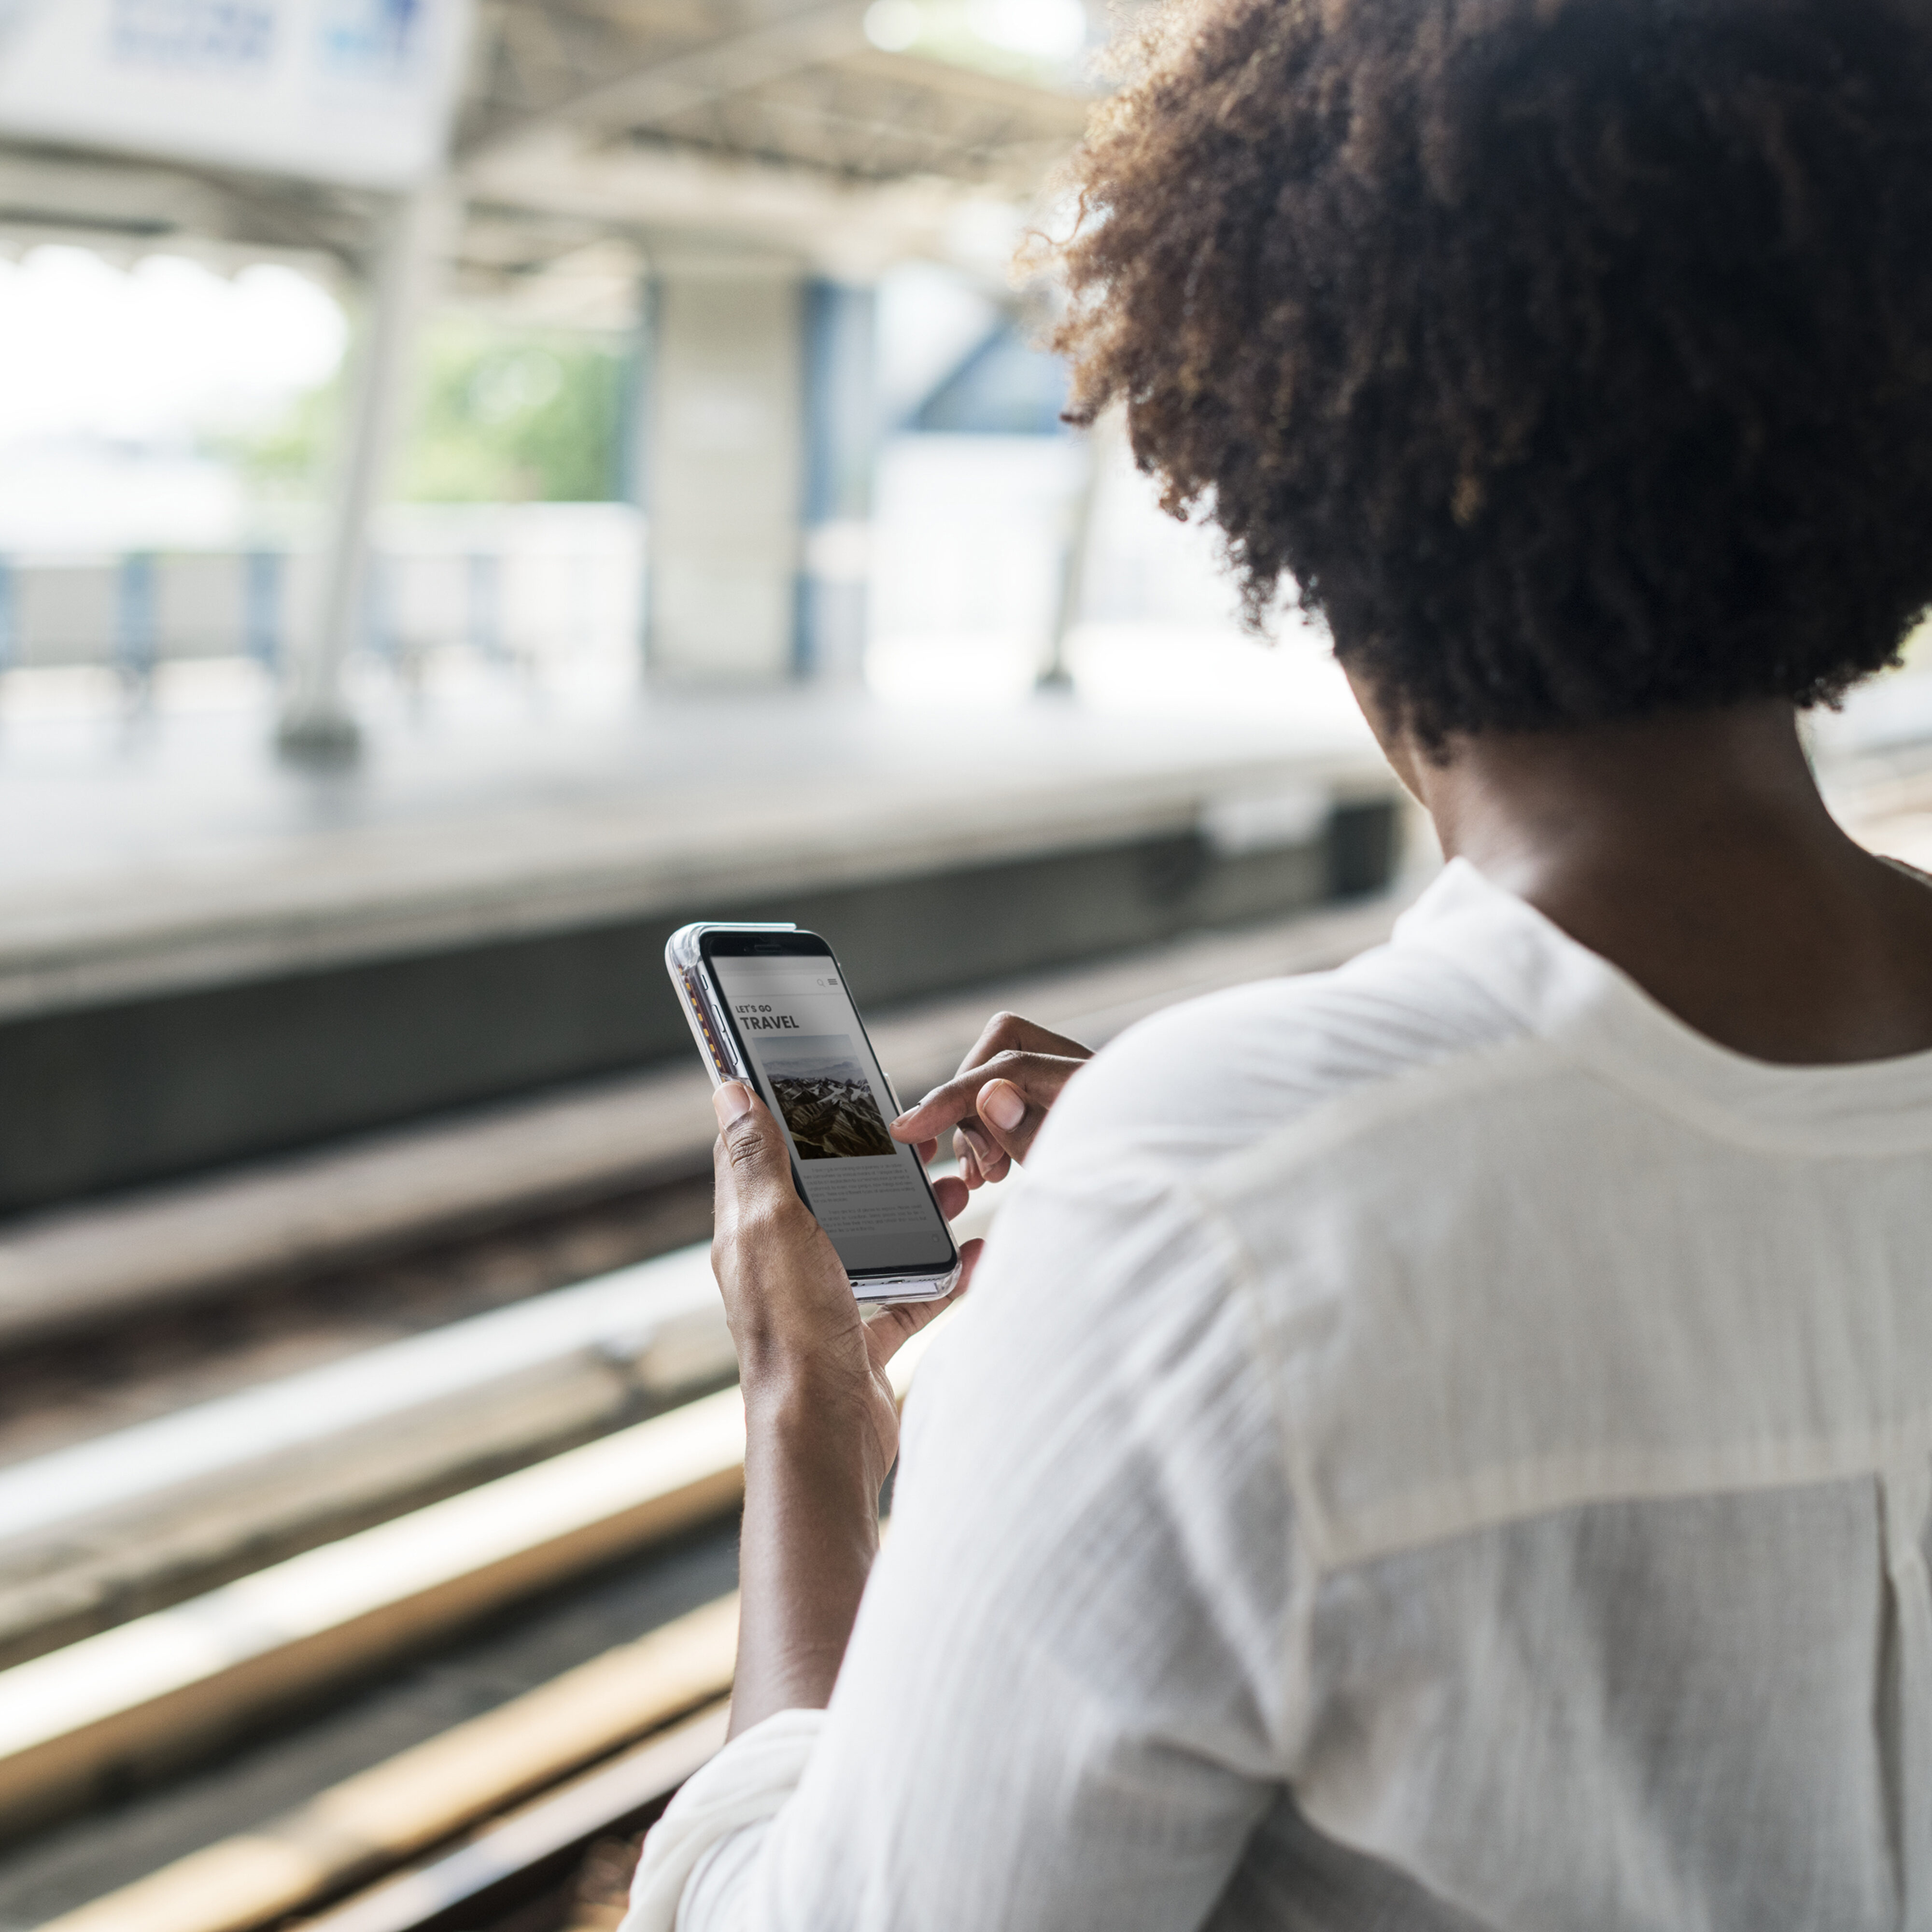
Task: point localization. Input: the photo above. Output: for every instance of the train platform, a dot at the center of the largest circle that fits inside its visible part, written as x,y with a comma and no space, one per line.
212,956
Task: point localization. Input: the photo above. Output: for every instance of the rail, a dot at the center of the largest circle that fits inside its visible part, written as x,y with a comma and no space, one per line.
147,1515
103,1703
372,1823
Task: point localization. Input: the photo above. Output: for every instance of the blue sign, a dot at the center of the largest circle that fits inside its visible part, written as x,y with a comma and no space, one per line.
234,35
360,92
373,40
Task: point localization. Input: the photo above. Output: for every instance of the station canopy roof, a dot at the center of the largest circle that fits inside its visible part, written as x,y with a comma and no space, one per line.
594,134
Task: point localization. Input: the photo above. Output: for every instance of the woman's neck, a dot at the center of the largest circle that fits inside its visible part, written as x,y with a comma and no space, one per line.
1694,851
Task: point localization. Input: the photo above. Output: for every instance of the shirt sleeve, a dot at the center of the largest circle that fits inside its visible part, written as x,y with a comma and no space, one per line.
1064,1706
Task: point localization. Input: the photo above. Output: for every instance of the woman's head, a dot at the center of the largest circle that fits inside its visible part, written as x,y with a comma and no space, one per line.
1574,357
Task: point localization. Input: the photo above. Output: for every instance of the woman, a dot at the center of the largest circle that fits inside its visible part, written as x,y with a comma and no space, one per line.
1447,1443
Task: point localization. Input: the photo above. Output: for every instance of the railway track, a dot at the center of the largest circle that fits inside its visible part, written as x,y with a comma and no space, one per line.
301,1576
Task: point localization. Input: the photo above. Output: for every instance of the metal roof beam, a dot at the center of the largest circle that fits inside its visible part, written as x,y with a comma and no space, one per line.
694,78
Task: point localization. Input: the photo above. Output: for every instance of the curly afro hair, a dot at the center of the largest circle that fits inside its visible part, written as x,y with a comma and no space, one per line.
1573,357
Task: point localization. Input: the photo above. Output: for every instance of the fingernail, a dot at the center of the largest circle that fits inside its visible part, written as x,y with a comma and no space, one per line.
731,1102
1001,1103
981,1152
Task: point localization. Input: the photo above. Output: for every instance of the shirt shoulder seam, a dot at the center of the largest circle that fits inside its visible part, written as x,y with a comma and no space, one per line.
1333,1122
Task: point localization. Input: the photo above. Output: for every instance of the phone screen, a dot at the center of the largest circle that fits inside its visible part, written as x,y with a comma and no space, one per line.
816,1074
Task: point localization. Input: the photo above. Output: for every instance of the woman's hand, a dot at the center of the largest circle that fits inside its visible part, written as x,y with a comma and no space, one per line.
821,1423
997,1101
796,1322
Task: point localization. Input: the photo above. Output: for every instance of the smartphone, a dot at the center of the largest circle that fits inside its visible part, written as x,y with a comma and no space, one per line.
768,1005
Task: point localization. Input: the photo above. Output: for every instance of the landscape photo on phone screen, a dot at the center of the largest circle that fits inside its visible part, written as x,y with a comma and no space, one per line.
825,1098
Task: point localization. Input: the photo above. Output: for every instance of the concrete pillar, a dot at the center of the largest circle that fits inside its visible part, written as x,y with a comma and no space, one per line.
723,469
316,721
841,446
755,434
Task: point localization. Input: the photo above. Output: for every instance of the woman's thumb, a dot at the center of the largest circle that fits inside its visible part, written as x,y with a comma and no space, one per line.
753,1144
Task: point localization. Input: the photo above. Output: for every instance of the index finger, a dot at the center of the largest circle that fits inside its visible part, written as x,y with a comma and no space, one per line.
1008,1037
1039,1076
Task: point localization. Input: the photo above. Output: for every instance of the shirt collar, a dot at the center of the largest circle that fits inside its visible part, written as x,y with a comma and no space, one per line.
1589,1008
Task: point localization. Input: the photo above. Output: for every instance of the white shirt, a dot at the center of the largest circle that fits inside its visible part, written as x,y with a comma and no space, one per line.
1435,1445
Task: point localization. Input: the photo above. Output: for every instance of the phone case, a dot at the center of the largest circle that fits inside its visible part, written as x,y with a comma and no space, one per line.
718,1049
685,963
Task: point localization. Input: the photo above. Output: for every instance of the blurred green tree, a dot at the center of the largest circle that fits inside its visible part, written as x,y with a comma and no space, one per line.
502,415
506,416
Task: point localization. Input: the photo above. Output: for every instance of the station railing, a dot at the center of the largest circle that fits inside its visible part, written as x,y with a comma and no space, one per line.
512,584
